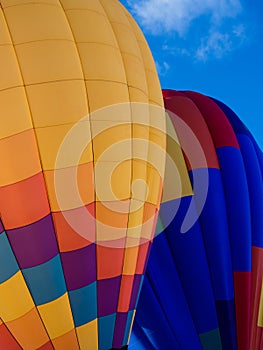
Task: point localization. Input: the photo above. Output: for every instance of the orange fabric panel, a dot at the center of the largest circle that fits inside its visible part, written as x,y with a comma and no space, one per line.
149,211
75,228
29,330
60,184
143,250
66,341
16,165
109,261
109,214
24,202
125,293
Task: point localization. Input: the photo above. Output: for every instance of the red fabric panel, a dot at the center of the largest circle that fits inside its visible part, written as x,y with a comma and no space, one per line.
6,340
47,346
170,93
242,285
218,124
185,109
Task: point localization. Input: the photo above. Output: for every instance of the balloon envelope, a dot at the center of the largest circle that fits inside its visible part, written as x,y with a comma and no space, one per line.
204,285
72,250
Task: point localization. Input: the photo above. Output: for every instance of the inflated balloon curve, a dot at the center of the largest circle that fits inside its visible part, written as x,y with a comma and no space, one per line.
214,267
92,168
72,246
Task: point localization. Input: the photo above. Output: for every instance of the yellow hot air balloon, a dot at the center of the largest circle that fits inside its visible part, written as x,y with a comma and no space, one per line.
82,150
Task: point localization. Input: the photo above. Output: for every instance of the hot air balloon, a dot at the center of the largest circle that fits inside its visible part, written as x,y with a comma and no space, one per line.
72,246
203,283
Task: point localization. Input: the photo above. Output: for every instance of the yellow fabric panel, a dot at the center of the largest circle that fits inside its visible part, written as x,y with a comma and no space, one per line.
139,172
144,48
73,197
137,95
154,182
121,180
157,140
133,317
9,70
128,45
91,27
155,93
93,62
16,165
103,94
156,156
93,5
29,330
260,311
135,219
57,103
87,336
154,87
15,299
113,181
130,259
158,121
133,63
135,72
57,316
126,39
156,137
111,115
148,186
44,61
4,32
146,54
111,142
28,22
114,11
50,139
14,112
140,147
176,180
140,130
8,3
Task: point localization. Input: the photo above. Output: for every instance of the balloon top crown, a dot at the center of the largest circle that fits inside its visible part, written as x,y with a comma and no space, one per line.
87,53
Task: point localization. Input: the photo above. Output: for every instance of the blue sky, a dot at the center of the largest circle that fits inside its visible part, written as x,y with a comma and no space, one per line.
211,46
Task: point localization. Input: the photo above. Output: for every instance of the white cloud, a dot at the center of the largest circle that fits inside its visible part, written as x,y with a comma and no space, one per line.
158,16
162,68
217,44
205,28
